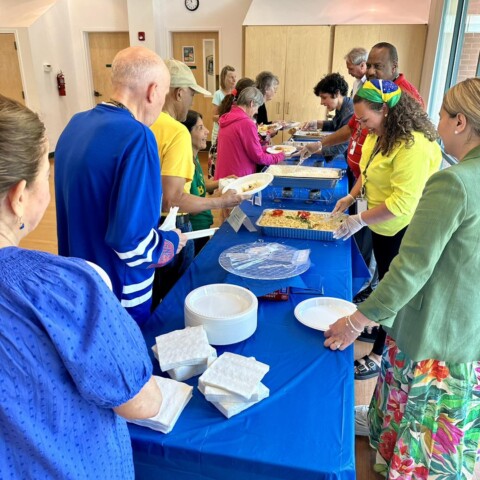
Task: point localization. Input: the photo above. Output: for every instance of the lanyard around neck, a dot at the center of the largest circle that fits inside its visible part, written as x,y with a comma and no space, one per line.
375,151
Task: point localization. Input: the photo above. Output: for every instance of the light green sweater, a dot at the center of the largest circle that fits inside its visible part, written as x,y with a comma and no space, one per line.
429,301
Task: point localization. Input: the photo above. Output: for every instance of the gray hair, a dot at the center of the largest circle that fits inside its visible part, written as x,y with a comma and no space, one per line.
134,66
265,80
250,94
356,56
23,143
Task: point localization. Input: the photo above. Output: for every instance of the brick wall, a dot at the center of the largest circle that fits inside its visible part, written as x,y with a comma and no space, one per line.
471,47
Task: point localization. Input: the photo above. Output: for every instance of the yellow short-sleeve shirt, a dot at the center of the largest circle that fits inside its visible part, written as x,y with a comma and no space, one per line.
398,179
174,149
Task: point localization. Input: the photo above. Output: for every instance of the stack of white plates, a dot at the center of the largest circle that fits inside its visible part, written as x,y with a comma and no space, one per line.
228,313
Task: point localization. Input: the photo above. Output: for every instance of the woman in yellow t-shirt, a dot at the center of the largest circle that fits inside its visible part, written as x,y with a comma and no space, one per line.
398,156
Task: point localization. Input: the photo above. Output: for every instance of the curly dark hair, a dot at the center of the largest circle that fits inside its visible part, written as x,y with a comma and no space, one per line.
228,100
192,119
332,83
406,117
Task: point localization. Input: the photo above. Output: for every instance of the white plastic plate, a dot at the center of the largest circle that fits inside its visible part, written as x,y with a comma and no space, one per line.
286,149
258,181
319,313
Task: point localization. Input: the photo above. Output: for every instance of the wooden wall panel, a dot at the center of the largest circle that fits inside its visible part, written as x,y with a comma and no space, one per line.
299,56
308,60
408,39
266,49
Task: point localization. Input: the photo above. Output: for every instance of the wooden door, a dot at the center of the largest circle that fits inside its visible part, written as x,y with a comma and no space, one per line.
266,49
201,103
409,41
308,60
103,47
10,78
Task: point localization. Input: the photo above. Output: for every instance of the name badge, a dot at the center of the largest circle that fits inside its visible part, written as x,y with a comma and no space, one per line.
362,205
352,148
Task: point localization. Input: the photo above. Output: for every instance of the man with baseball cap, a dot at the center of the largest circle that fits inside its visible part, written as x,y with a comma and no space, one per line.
176,160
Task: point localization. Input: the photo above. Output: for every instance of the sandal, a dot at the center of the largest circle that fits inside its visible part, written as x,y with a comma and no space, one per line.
368,335
366,370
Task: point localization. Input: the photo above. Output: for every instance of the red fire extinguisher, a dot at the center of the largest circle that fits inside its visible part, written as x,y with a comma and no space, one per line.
61,84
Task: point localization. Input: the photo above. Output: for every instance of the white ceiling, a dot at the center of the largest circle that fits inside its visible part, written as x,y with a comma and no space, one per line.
22,13
339,12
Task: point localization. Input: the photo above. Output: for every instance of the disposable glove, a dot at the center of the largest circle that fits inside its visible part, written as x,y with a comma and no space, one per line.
309,149
352,224
343,204
311,125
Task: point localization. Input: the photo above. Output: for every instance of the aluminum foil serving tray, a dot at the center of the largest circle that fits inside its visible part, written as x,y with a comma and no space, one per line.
305,177
301,224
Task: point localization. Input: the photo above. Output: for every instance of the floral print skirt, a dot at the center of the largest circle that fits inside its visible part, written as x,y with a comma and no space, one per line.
425,417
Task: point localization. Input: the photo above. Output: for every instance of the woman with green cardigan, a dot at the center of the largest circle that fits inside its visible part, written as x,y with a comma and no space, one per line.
424,418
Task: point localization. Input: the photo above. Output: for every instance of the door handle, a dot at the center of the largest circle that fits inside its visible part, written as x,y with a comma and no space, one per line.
97,94
288,107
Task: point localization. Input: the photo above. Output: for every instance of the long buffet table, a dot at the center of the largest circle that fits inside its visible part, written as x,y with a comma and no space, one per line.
304,430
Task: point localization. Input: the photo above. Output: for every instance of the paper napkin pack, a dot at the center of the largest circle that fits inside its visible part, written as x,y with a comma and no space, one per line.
176,395
235,373
214,394
229,409
232,383
179,348
188,371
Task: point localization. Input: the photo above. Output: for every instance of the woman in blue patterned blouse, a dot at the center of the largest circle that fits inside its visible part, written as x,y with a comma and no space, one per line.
72,361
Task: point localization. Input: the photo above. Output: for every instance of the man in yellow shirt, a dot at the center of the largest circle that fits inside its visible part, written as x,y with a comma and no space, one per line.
177,169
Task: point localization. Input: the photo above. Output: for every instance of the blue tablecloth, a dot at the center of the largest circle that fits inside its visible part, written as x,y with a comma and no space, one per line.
304,430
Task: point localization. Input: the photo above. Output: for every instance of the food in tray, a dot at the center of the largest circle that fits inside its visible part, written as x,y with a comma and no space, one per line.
309,133
300,219
299,171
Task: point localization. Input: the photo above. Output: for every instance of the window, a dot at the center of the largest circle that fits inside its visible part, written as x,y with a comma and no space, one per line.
458,52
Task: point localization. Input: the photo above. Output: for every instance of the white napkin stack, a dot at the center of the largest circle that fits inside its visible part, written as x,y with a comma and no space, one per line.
233,383
184,353
176,395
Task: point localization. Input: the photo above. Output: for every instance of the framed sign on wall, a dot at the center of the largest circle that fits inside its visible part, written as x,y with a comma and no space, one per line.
188,55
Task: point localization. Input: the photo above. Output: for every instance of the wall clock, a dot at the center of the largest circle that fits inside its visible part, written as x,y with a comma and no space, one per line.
192,5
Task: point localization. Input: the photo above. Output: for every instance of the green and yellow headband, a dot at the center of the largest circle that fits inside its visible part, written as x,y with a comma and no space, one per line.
380,91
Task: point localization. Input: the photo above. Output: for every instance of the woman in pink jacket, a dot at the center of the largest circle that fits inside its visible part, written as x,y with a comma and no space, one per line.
238,149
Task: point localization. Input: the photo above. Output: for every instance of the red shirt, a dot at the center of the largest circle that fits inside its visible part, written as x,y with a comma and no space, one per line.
354,151
406,86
